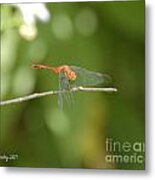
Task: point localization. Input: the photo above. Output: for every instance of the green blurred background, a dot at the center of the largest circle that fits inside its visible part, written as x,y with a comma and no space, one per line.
107,37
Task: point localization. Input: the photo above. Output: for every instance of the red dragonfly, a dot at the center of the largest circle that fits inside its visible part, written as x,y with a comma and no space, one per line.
69,73
73,76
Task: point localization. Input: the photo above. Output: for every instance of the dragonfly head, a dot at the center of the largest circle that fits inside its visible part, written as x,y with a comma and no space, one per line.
71,75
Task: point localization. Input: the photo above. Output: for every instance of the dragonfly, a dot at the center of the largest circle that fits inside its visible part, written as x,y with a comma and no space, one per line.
73,76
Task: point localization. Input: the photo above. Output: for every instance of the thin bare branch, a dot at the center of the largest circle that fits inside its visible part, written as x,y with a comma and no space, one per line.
49,93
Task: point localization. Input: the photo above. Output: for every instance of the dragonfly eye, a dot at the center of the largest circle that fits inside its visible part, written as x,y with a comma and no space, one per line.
72,75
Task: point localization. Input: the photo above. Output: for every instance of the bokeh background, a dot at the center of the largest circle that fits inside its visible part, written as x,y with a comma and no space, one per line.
107,37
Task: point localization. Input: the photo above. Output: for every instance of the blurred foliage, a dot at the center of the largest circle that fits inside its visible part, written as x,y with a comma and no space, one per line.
107,37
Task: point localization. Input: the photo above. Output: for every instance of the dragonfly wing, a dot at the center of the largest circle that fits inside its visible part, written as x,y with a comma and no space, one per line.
60,95
64,84
90,78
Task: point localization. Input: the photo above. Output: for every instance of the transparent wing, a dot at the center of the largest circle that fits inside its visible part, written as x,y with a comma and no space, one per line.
64,84
89,78
60,95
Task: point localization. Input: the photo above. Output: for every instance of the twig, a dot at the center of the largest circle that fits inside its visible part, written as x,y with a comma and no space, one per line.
49,93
